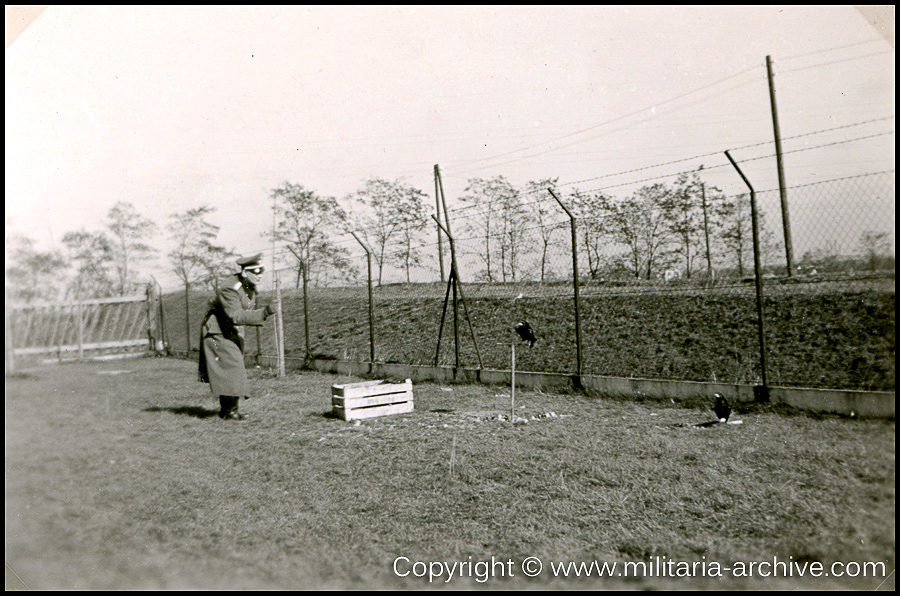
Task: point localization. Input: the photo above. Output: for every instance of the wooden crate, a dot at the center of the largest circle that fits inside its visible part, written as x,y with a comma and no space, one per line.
368,399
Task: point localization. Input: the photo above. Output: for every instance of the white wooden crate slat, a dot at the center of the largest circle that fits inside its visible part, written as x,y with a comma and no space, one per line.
368,399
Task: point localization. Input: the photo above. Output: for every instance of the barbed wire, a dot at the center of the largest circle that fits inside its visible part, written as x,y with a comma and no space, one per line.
719,153
692,158
836,48
801,68
767,156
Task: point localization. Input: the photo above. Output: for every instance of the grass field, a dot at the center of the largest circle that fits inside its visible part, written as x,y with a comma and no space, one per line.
119,475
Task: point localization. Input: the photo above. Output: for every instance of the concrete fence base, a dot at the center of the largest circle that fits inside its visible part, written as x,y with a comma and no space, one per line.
863,404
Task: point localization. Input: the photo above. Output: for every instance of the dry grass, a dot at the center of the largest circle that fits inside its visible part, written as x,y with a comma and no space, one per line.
120,476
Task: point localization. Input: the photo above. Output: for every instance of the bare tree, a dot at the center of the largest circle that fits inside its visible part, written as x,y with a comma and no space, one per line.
129,229
192,235
194,255
594,212
546,215
683,211
513,237
639,224
875,248
736,231
395,218
91,254
31,274
489,197
218,262
307,223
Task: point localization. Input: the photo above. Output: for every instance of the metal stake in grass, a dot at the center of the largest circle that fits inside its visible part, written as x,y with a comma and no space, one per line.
512,393
452,455
524,331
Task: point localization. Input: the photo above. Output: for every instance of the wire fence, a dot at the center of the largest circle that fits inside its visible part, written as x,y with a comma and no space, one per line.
663,291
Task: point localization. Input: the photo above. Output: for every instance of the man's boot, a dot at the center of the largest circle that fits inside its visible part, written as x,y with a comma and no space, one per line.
229,407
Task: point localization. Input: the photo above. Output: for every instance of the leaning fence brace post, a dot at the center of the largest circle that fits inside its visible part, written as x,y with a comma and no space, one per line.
371,305
457,286
438,191
454,273
453,282
577,379
758,275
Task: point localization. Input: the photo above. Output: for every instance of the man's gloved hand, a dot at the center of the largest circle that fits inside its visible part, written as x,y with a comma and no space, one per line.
269,311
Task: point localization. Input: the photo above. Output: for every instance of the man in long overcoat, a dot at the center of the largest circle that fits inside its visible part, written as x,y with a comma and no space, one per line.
222,336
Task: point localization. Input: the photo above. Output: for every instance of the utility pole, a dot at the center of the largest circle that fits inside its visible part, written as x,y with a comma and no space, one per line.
785,215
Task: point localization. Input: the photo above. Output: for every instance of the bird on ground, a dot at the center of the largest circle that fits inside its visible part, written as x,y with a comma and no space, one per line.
526,332
722,408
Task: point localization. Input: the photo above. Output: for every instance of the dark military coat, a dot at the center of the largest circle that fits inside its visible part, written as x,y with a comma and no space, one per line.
222,337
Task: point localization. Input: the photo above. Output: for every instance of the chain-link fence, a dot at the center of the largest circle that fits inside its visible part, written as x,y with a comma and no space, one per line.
665,288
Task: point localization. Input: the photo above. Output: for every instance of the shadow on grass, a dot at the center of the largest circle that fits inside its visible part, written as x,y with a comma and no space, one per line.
20,376
194,411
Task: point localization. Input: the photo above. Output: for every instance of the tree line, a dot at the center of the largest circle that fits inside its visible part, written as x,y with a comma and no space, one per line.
508,233
504,233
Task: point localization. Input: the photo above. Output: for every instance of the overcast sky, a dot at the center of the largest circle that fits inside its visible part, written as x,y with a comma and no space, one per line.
171,108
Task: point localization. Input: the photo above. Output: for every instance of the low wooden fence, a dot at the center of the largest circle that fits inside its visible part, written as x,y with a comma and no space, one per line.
89,328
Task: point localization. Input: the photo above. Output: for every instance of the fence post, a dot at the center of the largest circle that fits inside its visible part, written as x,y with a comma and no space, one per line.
155,326
79,329
371,304
304,268
163,329
151,337
279,328
258,345
763,394
187,316
572,223
8,337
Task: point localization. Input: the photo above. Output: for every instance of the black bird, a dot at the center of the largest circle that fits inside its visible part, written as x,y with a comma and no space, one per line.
526,333
722,408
